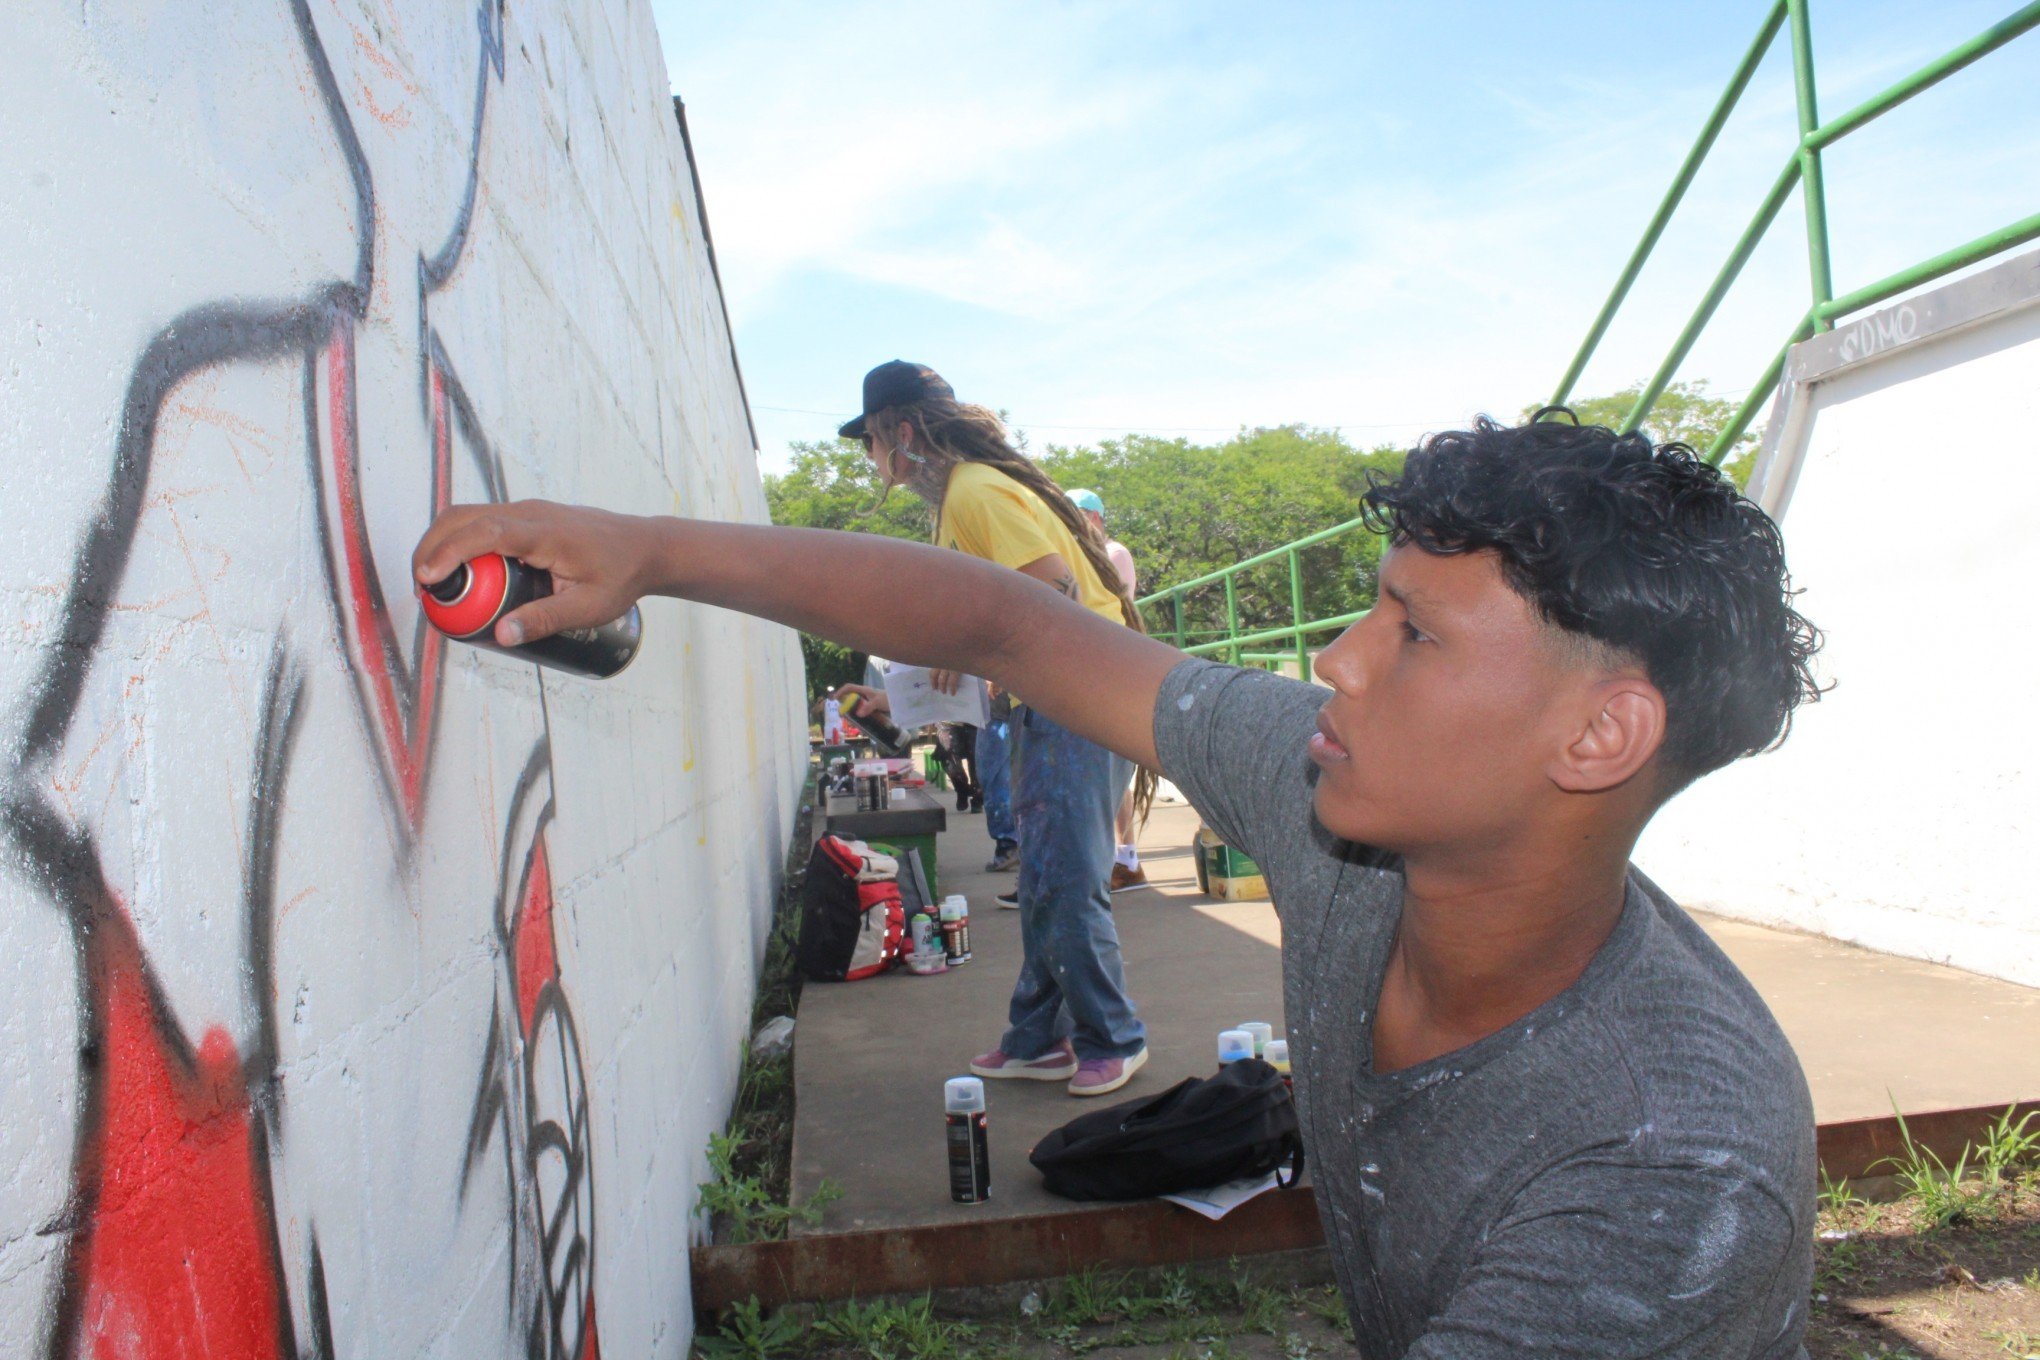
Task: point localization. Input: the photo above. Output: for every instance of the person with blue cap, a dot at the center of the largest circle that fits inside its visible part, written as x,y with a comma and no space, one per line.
1126,870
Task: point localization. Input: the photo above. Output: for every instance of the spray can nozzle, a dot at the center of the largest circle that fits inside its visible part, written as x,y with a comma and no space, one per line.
454,588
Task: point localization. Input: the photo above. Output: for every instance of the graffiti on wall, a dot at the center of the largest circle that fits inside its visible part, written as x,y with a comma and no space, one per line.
178,1238
531,1105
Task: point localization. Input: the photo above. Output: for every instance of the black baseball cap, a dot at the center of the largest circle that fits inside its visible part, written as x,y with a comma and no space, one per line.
895,383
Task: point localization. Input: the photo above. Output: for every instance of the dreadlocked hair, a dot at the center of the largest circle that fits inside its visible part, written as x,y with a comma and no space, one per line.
948,432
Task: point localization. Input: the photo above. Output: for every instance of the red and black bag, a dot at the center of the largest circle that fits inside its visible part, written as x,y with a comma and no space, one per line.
852,924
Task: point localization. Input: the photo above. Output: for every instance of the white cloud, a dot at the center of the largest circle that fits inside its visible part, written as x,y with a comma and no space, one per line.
1198,234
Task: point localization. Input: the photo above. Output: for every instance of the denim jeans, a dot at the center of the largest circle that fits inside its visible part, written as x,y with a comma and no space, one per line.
1071,980
994,762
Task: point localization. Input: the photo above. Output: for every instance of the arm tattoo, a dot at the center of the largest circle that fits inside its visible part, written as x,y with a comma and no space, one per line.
1067,585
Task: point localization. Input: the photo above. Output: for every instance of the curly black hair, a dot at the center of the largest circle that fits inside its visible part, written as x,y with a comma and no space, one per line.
1641,548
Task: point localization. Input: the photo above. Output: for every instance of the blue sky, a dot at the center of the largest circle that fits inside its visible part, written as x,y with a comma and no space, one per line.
1189,217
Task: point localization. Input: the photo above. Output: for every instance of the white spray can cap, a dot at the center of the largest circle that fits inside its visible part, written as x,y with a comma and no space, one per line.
1262,1032
954,907
1234,1044
1277,1051
963,1095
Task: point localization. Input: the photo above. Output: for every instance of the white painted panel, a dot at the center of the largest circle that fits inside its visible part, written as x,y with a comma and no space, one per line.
1904,811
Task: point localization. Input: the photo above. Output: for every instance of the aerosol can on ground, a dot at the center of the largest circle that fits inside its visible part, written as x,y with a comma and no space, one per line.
970,1151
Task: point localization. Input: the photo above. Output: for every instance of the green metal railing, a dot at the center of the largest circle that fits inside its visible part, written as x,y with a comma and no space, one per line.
1233,644
1802,169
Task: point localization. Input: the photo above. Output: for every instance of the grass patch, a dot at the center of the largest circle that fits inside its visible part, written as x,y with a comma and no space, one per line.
1986,1178
748,1196
1949,1270
897,1331
747,1334
1164,1314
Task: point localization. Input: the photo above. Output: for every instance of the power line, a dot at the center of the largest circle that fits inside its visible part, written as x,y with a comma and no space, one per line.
1431,424
840,416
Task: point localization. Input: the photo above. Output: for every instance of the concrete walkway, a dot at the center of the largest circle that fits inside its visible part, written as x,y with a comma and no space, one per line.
870,1057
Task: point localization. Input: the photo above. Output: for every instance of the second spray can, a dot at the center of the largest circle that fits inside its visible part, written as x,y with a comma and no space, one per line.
970,1149
954,916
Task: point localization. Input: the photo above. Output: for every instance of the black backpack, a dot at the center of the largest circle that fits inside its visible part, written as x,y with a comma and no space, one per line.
1201,1132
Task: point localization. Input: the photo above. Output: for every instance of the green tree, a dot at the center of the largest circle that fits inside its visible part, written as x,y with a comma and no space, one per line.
830,484
1183,509
1684,414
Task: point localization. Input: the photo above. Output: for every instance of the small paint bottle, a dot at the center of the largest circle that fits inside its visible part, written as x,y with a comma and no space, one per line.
1233,1045
1278,1058
956,928
467,604
970,1151
1262,1032
923,932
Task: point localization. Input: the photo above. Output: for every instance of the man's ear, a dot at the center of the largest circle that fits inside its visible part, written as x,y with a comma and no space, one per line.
1623,727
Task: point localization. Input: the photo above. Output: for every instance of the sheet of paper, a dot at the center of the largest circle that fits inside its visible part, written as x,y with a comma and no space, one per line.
1221,1200
916,703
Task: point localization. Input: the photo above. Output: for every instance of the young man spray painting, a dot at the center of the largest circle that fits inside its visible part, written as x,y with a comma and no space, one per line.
1547,1115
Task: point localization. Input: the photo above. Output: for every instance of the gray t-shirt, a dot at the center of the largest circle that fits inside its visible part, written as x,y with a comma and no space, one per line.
1627,1171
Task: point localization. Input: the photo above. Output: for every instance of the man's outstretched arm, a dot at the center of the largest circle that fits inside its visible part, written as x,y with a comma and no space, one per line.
915,603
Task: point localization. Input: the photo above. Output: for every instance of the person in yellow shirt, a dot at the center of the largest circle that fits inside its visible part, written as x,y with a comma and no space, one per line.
1070,1016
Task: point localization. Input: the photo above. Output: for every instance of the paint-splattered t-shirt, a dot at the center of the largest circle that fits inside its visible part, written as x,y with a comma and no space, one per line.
1627,1171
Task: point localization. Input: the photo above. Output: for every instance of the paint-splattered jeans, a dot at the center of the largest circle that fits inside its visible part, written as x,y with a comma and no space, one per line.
1066,791
994,746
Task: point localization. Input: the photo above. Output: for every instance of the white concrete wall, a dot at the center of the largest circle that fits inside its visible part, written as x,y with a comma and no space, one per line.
1904,812
360,994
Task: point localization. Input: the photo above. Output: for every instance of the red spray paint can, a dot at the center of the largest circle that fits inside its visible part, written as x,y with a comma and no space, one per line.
466,605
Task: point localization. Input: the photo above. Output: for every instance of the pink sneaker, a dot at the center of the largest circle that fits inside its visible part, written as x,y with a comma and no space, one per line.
1097,1076
1054,1065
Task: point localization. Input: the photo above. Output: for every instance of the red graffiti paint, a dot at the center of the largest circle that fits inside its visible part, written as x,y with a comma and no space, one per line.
176,1258
402,698
531,939
535,967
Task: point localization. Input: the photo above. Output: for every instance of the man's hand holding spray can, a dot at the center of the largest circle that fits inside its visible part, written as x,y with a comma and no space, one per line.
469,601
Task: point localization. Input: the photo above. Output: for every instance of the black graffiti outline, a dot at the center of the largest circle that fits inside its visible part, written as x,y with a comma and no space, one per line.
491,1110
433,274
577,1271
